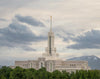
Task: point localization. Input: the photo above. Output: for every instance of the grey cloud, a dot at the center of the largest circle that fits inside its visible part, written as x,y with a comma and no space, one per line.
18,35
15,3
89,40
29,20
65,35
62,33
2,19
26,48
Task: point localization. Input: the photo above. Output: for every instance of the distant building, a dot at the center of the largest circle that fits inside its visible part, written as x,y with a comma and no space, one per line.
51,61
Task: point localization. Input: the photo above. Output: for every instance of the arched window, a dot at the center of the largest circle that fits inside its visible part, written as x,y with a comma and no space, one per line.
31,65
50,66
41,65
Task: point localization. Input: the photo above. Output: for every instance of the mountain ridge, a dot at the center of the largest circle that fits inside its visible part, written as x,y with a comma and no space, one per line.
93,61
0,66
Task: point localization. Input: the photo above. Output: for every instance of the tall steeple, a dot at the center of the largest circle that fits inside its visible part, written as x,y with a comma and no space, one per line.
50,49
50,23
50,36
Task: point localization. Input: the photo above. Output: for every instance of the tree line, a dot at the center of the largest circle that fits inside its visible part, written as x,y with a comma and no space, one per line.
20,73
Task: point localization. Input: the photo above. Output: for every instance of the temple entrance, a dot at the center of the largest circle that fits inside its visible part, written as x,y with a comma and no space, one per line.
41,64
51,67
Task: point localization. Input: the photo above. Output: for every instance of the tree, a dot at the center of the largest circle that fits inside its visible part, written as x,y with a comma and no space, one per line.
30,73
17,73
2,77
20,73
5,71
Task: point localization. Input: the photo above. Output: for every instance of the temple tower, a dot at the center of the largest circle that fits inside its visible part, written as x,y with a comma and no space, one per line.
50,50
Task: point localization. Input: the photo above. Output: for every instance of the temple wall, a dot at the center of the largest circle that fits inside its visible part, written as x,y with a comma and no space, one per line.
52,65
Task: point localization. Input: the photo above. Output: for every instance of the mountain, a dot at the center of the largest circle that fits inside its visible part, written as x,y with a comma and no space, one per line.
93,61
0,66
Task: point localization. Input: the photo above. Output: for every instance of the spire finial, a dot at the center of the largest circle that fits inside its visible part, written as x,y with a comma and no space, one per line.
50,23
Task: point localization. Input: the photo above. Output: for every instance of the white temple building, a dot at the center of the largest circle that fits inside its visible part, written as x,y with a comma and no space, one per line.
51,61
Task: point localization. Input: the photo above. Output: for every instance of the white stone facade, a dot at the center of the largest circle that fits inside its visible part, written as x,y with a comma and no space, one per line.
52,65
50,60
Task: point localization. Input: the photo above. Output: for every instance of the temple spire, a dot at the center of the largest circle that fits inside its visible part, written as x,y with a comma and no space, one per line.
50,23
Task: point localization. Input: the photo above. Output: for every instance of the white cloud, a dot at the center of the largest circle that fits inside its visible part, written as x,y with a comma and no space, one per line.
69,16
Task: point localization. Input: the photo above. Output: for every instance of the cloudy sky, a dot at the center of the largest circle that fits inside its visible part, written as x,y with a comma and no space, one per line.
24,26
